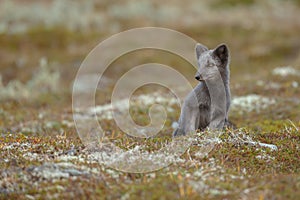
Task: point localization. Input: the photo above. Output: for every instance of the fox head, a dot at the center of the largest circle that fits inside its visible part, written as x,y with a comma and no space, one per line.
212,62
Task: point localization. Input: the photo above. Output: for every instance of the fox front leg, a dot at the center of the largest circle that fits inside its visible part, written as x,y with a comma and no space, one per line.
217,119
188,122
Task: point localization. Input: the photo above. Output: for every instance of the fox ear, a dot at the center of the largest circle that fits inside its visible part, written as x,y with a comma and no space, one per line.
222,52
200,49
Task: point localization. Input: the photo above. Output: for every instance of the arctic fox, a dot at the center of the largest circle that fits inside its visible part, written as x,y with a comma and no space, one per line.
208,104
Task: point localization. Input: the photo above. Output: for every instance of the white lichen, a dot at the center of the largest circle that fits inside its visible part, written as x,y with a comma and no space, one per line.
251,102
286,71
142,101
42,82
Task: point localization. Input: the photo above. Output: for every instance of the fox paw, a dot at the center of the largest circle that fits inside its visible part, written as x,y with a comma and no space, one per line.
178,132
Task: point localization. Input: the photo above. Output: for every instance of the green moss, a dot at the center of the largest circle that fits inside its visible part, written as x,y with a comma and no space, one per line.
269,125
231,3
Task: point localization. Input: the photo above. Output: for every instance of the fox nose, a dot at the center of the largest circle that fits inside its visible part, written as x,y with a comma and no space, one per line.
197,77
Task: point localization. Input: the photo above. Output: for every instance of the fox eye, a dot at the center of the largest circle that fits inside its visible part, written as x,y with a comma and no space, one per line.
210,65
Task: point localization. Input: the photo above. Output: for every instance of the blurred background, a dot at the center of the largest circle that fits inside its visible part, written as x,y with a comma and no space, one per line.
44,42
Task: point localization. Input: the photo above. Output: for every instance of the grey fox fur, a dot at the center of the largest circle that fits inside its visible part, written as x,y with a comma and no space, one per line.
208,104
